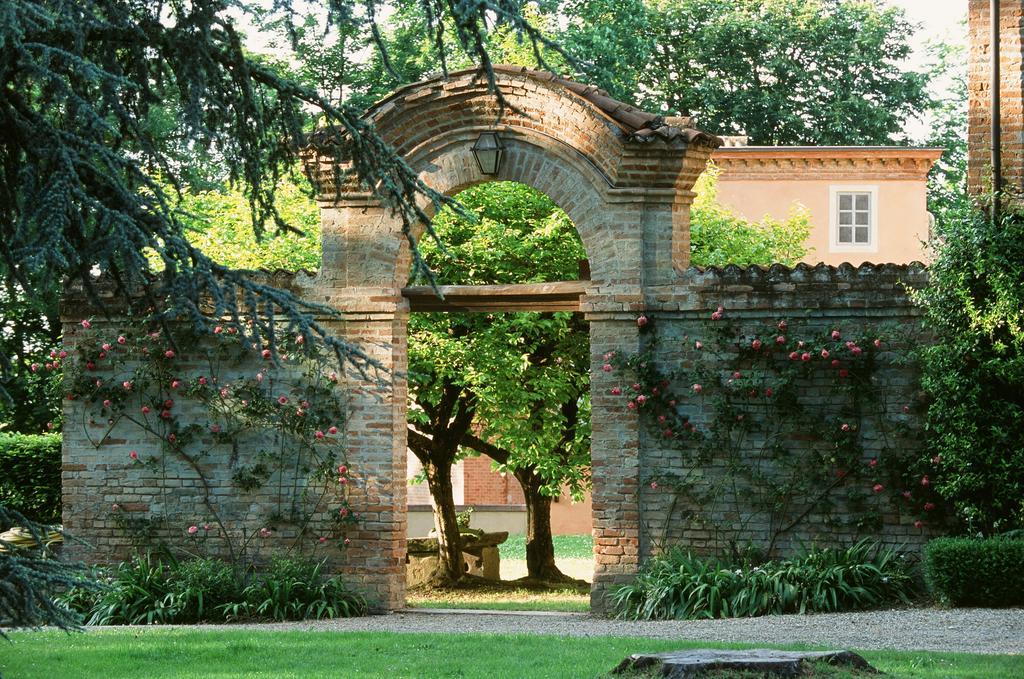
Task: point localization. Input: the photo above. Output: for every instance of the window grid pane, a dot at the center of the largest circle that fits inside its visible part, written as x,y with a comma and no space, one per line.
854,218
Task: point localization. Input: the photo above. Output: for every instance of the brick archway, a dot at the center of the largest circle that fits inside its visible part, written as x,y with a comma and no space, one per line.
625,179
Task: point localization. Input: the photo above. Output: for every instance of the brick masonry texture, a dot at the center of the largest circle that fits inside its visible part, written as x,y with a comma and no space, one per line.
813,301
979,95
627,190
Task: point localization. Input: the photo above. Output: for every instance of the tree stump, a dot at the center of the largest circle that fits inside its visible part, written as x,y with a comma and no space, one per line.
696,662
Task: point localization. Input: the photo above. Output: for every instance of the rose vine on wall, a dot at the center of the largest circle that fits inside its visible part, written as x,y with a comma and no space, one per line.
768,427
217,403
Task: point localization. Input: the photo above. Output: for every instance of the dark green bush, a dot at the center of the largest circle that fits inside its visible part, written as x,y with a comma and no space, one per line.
678,585
973,372
976,572
147,590
30,475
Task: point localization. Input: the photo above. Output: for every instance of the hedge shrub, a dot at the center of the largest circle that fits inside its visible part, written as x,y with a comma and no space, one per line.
976,572
30,475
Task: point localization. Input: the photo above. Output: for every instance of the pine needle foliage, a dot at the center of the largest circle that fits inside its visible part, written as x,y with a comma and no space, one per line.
30,579
89,164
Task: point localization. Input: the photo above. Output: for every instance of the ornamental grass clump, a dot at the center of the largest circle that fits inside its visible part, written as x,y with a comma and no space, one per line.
679,585
146,590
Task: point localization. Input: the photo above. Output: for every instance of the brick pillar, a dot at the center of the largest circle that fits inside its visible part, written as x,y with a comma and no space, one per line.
979,101
376,447
615,452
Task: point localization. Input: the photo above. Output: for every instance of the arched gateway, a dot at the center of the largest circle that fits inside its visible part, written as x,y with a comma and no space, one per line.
624,177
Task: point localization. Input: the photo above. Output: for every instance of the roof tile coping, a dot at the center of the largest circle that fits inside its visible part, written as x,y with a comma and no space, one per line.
778,272
637,124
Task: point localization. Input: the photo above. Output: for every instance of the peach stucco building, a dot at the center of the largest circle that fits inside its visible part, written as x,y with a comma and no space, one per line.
867,203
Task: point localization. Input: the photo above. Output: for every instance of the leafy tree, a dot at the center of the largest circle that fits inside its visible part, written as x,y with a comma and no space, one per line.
947,181
974,371
511,385
779,71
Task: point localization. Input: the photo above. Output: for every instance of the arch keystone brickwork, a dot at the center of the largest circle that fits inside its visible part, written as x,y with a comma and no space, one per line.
625,178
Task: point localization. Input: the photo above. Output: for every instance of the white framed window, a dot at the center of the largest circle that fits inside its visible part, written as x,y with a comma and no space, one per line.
853,218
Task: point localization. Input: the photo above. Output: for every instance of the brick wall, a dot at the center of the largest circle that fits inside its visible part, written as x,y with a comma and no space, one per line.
629,196
813,301
1011,88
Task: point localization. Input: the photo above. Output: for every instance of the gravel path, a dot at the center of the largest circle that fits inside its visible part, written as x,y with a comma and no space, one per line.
976,630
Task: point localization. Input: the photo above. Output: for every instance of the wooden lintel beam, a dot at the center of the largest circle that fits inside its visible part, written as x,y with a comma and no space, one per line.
556,296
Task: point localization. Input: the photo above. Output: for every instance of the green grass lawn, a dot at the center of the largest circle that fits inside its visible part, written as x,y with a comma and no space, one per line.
566,547
154,653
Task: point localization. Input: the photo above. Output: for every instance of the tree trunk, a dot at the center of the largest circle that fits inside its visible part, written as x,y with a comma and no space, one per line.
540,548
439,481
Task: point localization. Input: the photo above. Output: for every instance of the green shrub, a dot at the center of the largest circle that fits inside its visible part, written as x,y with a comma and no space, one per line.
30,475
973,372
147,590
296,589
976,572
678,585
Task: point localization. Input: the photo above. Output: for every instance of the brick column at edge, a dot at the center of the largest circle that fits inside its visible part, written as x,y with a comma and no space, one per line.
615,460
979,97
376,445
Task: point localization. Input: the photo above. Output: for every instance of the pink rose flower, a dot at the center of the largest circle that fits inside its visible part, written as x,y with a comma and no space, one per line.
606,367
844,373
215,428
781,339
121,339
322,540
169,354
768,392
873,462
62,354
175,384
654,485
878,488
134,455
192,530
347,542
319,434
127,385
919,524
106,346
641,399
756,345
282,399
641,321
34,367
878,344
342,469
805,356
793,356
845,427
824,353
106,403
332,430
266,353
202,381
616,391
698,345
925,481
264,532
929,506
835,335
783,325
218,330
115,507
906,494
86,324
737,375
697,388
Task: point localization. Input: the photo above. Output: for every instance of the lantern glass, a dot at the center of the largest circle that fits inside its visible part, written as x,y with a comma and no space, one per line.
488,151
